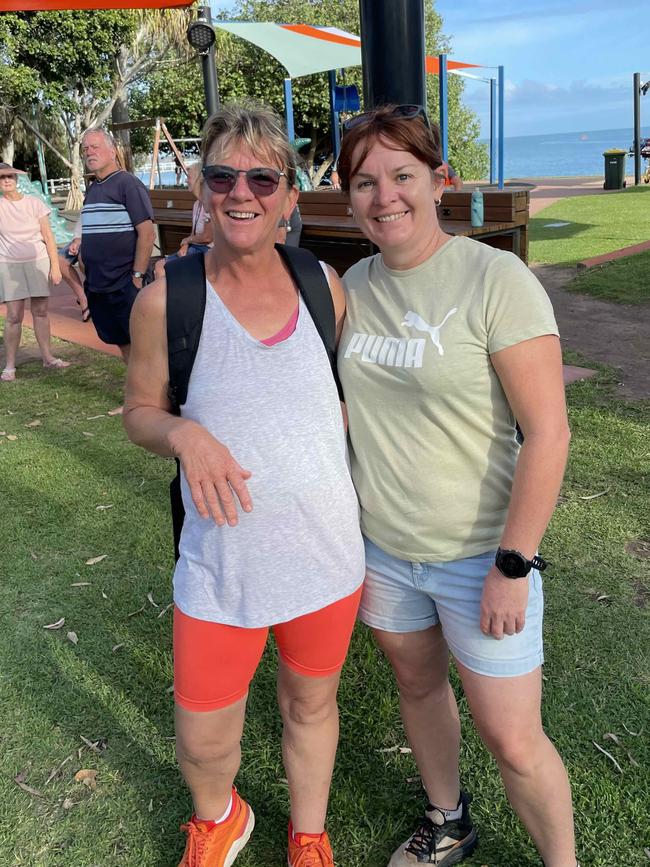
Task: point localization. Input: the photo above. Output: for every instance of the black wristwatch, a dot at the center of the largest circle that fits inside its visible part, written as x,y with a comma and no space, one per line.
513,564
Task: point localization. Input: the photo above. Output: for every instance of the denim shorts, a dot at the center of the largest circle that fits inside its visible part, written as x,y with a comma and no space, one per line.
404,596
65,252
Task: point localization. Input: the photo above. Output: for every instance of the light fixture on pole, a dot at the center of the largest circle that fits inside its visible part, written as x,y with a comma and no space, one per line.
201,36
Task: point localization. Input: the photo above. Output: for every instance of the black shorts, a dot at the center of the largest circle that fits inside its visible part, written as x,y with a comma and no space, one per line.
110,312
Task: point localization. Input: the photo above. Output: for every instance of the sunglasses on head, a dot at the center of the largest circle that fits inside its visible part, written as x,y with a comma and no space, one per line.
261,181
408,112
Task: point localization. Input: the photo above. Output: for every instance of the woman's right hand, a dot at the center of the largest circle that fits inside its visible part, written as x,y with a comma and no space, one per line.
73,247
214,477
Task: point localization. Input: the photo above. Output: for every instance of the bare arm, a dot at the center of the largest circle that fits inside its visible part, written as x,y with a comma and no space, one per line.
211,471
531,375
203,237
52,252
338,299
457,182
143,248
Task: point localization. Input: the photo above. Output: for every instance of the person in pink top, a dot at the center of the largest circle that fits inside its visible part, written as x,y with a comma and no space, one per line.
28,263
200,238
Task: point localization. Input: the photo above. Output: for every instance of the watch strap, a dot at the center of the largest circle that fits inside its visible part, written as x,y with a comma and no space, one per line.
526,565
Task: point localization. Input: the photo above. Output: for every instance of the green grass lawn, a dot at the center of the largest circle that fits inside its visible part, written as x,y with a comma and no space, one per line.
626,281
74,489
596,225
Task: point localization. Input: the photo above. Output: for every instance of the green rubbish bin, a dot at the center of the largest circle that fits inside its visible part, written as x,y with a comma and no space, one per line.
614,169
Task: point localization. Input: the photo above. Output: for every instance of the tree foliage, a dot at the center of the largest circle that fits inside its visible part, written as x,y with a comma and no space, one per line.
72,66
244,70
69,67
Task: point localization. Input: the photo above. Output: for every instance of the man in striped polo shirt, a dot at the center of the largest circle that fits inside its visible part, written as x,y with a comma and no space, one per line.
117,237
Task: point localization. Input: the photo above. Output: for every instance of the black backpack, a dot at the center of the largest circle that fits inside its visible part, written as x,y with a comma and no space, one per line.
185,310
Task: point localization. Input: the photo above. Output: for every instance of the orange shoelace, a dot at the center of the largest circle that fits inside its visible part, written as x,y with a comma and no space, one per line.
197,839
313,855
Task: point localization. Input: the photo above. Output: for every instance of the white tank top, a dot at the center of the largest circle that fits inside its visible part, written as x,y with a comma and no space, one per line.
277,409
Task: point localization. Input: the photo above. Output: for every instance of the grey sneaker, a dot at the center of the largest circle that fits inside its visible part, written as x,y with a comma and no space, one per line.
435,841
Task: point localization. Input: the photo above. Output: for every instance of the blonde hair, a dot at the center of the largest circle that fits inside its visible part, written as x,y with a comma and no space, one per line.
254,125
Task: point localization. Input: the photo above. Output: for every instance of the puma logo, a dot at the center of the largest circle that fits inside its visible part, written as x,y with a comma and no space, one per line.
413,320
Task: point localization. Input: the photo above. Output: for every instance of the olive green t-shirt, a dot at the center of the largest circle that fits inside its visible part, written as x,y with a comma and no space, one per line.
433,439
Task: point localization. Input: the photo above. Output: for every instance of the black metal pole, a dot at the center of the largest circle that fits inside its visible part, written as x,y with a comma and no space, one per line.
392,52
209,64
637,128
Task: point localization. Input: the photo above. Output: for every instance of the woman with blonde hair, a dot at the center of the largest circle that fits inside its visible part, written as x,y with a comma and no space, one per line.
271,538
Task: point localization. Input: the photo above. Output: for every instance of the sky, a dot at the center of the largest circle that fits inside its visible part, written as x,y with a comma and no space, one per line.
568,63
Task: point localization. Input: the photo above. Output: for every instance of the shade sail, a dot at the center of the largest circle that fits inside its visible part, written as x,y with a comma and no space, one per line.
59,5
303,49
299,53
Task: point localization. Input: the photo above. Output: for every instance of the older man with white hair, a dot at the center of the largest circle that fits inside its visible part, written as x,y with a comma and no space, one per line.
117,237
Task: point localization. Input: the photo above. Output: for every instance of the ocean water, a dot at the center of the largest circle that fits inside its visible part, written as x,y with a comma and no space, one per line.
566,154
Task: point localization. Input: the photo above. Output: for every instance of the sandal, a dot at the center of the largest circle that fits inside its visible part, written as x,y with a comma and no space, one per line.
8,374
56,364
85,311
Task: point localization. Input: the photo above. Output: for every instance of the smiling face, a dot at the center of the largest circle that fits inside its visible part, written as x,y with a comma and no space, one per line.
99,154
243,220
393,196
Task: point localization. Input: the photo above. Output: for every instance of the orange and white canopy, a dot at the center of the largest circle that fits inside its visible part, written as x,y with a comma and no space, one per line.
304,49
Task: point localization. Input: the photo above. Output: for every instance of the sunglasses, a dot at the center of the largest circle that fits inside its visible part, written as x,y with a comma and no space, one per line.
408,112
261,181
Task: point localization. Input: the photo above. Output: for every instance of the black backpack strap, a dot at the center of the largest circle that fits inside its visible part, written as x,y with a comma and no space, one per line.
308,275
185,310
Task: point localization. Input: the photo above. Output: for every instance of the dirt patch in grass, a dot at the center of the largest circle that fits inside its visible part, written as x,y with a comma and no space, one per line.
639,548
641,594
613,334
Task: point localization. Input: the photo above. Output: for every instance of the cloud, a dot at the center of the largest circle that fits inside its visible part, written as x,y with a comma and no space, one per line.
577,94
533,106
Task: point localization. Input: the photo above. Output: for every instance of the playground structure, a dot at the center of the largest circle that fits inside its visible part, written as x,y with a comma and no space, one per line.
62,235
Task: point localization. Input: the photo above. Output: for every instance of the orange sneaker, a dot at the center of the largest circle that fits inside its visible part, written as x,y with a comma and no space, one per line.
308,851
210,845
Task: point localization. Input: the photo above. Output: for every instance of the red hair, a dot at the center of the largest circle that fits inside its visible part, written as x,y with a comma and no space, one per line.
397,133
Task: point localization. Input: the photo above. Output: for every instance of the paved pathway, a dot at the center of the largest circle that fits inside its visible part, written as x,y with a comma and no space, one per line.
65,322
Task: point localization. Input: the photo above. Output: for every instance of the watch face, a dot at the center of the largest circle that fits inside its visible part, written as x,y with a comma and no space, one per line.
512,564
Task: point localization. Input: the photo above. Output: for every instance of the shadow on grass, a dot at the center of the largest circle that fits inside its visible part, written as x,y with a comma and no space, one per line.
57,691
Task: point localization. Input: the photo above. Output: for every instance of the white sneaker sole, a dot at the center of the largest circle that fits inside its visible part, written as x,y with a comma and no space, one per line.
240,842
400,859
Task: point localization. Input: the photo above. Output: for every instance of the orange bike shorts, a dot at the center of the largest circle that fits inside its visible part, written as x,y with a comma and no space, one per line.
214,663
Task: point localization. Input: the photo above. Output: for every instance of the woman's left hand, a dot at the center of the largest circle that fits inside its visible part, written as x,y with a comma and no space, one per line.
55,276
503,604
